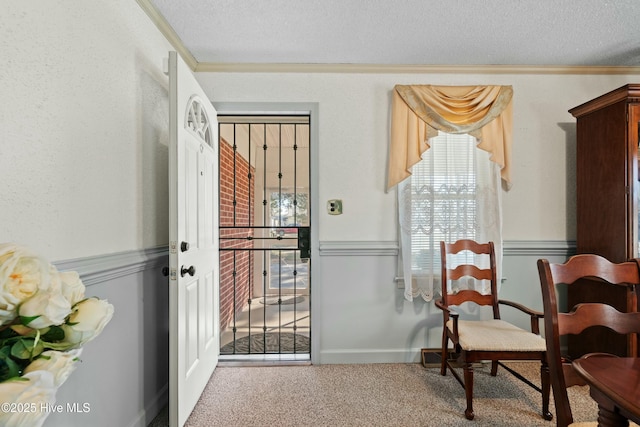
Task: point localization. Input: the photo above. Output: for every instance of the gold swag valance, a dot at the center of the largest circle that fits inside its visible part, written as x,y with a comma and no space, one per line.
418,112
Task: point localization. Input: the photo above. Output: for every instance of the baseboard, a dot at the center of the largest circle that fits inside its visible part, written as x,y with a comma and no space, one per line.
154,407
369,356
416,355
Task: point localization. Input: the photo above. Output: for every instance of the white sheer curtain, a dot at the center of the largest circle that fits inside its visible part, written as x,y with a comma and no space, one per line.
453,193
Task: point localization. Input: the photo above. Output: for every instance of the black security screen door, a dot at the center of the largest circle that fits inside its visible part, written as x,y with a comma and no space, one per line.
264,236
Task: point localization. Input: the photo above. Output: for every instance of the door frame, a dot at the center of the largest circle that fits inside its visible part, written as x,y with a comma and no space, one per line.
292,109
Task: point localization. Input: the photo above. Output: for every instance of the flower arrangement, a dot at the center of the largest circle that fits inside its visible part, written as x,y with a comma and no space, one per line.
45,319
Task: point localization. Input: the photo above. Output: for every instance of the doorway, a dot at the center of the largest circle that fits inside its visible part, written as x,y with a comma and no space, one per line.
265,236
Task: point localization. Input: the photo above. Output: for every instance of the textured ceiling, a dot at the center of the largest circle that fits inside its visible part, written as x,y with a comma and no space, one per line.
408,32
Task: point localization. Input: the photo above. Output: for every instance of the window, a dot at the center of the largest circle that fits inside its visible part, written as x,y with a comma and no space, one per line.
443,189
288,210
452,194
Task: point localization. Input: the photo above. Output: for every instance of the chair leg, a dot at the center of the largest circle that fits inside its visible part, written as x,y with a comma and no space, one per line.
545,382
445,355
468,390
494,368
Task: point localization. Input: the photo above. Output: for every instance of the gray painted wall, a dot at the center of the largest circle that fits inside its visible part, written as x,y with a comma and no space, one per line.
365,318
124,373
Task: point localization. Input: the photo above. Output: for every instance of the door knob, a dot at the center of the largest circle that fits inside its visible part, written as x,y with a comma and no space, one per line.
165,271
191,271
184,246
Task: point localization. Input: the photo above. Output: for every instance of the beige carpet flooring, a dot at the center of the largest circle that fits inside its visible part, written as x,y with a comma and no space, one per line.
371,395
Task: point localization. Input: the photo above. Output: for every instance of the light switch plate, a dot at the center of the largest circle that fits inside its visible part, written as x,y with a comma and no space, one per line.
334,207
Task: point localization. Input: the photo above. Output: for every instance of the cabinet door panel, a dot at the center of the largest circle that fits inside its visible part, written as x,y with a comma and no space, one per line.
602,180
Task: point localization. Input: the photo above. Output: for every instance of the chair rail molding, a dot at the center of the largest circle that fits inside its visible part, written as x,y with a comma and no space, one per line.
539,248
358,248
101,268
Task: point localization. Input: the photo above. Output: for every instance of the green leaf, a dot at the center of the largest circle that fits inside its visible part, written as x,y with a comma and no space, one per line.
27,348
7,333
22,349
55,333
5,351
25,320
59,346
8,369
4,370
7,343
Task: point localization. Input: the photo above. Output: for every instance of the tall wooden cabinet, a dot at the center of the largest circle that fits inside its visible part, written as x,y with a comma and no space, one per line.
607,199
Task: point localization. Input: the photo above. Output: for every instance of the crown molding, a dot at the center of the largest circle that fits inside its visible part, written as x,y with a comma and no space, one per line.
214,67
168,32
409,69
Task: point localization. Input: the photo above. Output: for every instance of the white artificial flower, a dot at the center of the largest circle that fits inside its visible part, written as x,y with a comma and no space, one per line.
50,307
22,274
71,286
30,393
59,363
87,320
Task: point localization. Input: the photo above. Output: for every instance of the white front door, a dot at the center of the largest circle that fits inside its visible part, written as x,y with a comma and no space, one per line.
194,344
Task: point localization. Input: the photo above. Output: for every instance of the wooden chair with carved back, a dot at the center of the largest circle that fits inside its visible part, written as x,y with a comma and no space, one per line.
583,270
492,339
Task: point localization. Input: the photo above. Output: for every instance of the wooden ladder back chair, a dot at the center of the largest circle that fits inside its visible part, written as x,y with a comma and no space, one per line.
492,340
576,319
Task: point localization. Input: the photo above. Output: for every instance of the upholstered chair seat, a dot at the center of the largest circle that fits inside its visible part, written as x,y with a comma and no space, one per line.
496,335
